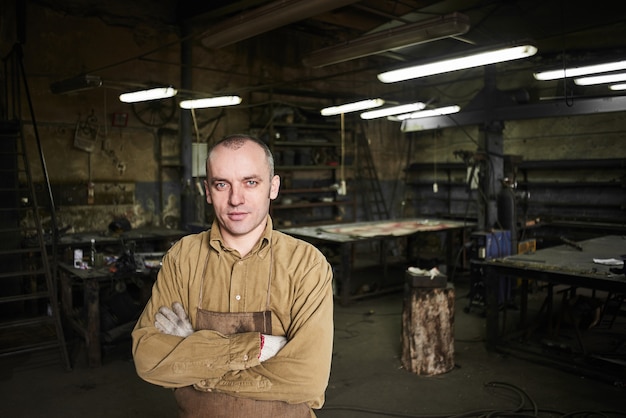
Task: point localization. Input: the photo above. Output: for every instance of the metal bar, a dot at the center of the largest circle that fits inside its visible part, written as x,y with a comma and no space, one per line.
518,112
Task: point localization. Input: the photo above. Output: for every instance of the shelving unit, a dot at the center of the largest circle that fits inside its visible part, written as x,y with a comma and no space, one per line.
554,189
308,157
452,197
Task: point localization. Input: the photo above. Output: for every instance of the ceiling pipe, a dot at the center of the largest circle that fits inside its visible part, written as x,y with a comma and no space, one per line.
390,39
266,18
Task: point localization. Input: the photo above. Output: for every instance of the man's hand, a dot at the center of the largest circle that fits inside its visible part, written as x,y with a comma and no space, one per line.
173,322
271,345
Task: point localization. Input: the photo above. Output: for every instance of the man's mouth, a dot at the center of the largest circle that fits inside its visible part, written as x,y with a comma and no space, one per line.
236,216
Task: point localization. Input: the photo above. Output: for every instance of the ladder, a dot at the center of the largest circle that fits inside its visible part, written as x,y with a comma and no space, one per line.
30,319
371,193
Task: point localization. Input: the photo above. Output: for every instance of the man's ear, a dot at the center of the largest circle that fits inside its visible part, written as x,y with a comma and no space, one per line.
274,186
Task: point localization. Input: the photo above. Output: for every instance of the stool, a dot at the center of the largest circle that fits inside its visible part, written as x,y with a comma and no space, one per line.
428,325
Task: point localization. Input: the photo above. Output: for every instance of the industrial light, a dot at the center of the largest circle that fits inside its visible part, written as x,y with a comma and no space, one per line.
387,40
618,86
76,84
580,71
600,79
440,111
459,63
394,110
150,94
210,102
352,107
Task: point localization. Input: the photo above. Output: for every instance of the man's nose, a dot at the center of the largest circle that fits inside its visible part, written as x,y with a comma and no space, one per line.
236,195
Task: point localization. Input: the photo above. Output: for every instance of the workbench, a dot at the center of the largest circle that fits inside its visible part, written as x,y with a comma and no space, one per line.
346,235
86,319
571,266
153,237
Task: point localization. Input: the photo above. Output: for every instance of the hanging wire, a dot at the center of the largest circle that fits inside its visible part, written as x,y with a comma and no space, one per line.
435,186
568,93
198,159
343,153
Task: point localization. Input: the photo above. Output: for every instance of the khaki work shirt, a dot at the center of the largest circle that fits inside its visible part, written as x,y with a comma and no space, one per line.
301,302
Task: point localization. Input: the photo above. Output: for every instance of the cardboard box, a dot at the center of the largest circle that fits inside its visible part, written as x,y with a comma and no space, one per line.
527,246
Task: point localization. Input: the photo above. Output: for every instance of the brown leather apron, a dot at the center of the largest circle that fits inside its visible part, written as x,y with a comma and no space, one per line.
194,403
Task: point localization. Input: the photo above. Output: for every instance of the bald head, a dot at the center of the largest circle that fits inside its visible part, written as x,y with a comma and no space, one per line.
234,142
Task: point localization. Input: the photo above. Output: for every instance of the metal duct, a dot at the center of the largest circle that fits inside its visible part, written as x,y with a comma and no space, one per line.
73,85
266,18
386,40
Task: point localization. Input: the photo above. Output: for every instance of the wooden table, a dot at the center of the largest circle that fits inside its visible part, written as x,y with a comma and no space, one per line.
345,235
86,321
159,238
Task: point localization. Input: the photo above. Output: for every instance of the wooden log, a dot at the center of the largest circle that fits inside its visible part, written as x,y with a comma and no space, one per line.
428,329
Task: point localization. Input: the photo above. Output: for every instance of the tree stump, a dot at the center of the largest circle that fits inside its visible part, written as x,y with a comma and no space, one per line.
428,329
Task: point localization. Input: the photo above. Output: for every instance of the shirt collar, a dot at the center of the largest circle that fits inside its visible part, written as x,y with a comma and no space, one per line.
261,247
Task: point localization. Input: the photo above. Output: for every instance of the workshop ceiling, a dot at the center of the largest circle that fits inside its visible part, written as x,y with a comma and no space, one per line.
564,32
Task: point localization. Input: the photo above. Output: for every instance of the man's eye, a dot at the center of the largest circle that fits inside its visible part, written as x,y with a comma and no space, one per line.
220,186
252,182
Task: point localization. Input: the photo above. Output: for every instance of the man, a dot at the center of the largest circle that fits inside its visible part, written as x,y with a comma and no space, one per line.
240,321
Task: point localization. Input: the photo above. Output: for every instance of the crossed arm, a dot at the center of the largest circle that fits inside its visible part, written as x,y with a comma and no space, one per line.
293,367
176,322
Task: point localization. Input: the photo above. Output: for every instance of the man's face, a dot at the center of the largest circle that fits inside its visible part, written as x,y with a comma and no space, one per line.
239,187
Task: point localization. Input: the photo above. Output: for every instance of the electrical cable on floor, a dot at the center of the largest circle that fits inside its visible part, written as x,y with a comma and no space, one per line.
521,410
351,333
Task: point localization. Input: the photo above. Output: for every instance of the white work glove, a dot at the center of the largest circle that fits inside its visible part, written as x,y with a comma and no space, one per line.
173,321
271,346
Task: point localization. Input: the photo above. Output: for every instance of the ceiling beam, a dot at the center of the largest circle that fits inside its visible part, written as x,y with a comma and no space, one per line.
266,18
552,109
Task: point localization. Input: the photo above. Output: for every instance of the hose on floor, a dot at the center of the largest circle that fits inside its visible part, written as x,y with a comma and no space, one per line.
526,408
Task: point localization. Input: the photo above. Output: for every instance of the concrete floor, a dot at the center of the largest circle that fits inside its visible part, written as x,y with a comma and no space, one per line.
367,378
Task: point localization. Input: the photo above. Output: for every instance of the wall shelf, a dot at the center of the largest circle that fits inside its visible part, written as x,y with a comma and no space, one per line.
592,189
308,155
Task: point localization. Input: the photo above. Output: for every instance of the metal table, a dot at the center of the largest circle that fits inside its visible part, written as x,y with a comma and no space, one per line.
345,235
559,265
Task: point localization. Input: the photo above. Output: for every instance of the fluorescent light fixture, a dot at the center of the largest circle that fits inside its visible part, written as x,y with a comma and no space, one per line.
600,79
618,86
76,84
460,63
210,102
395,110
387,40
150,94
352,107
580,71
440,111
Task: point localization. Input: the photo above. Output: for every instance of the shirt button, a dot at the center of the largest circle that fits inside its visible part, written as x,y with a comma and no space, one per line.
238,297
245,357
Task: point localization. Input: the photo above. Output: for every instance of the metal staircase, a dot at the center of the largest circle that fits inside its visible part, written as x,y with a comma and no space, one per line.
372,197
30,320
